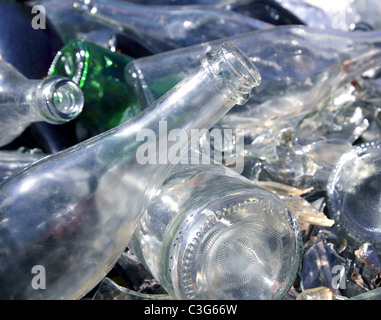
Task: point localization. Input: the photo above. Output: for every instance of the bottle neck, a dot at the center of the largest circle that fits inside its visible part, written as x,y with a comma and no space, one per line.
56,99
224,79
157,137
53,99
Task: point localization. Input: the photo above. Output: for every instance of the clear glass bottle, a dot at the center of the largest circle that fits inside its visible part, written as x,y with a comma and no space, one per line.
354,192
74,212
163,28
209,3
72,26
23,101
343,15
301,68
99,73
209,233
268,11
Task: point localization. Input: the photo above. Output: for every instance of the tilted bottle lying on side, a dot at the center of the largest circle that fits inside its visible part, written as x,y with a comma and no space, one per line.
342,15
71,25
163,28
300,66
269,11
74,212
354,192
99,73
209,233
23,101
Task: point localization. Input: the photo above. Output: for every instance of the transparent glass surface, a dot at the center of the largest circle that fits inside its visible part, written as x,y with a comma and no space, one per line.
99,73
301,69
163,28
13,160
209,233
73,212
354,195
212,3
23,101
109,290
343,15
71,25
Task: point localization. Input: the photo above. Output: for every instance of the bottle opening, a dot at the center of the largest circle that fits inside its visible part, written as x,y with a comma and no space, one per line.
232,69
241,65
63,100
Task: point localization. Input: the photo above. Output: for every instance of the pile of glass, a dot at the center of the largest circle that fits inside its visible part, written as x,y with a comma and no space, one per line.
191,150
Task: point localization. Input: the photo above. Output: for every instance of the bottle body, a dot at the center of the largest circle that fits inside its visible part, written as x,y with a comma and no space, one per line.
72,26
353,193
14,160
340,15
99,73
300,67
22,101
269,11
166,28
74,212
209,233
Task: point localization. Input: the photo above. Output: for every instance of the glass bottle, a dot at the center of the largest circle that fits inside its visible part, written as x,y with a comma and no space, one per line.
209,233
163,28
268,11
346,15
71,25
31,54
353,194
23,101
73,212
301,68
99,73
208,3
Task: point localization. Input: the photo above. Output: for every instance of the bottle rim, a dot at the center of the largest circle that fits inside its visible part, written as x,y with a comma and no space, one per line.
60,99
182,256
231,67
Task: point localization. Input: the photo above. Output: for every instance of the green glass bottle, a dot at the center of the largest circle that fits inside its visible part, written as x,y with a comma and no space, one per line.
99,72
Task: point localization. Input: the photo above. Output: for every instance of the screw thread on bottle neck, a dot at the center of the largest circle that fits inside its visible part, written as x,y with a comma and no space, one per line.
231,69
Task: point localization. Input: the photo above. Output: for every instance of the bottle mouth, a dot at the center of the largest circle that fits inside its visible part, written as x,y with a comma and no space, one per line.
249,250
62,100
234,69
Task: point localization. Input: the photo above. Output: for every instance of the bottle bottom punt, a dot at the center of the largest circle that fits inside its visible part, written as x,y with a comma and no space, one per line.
245,247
